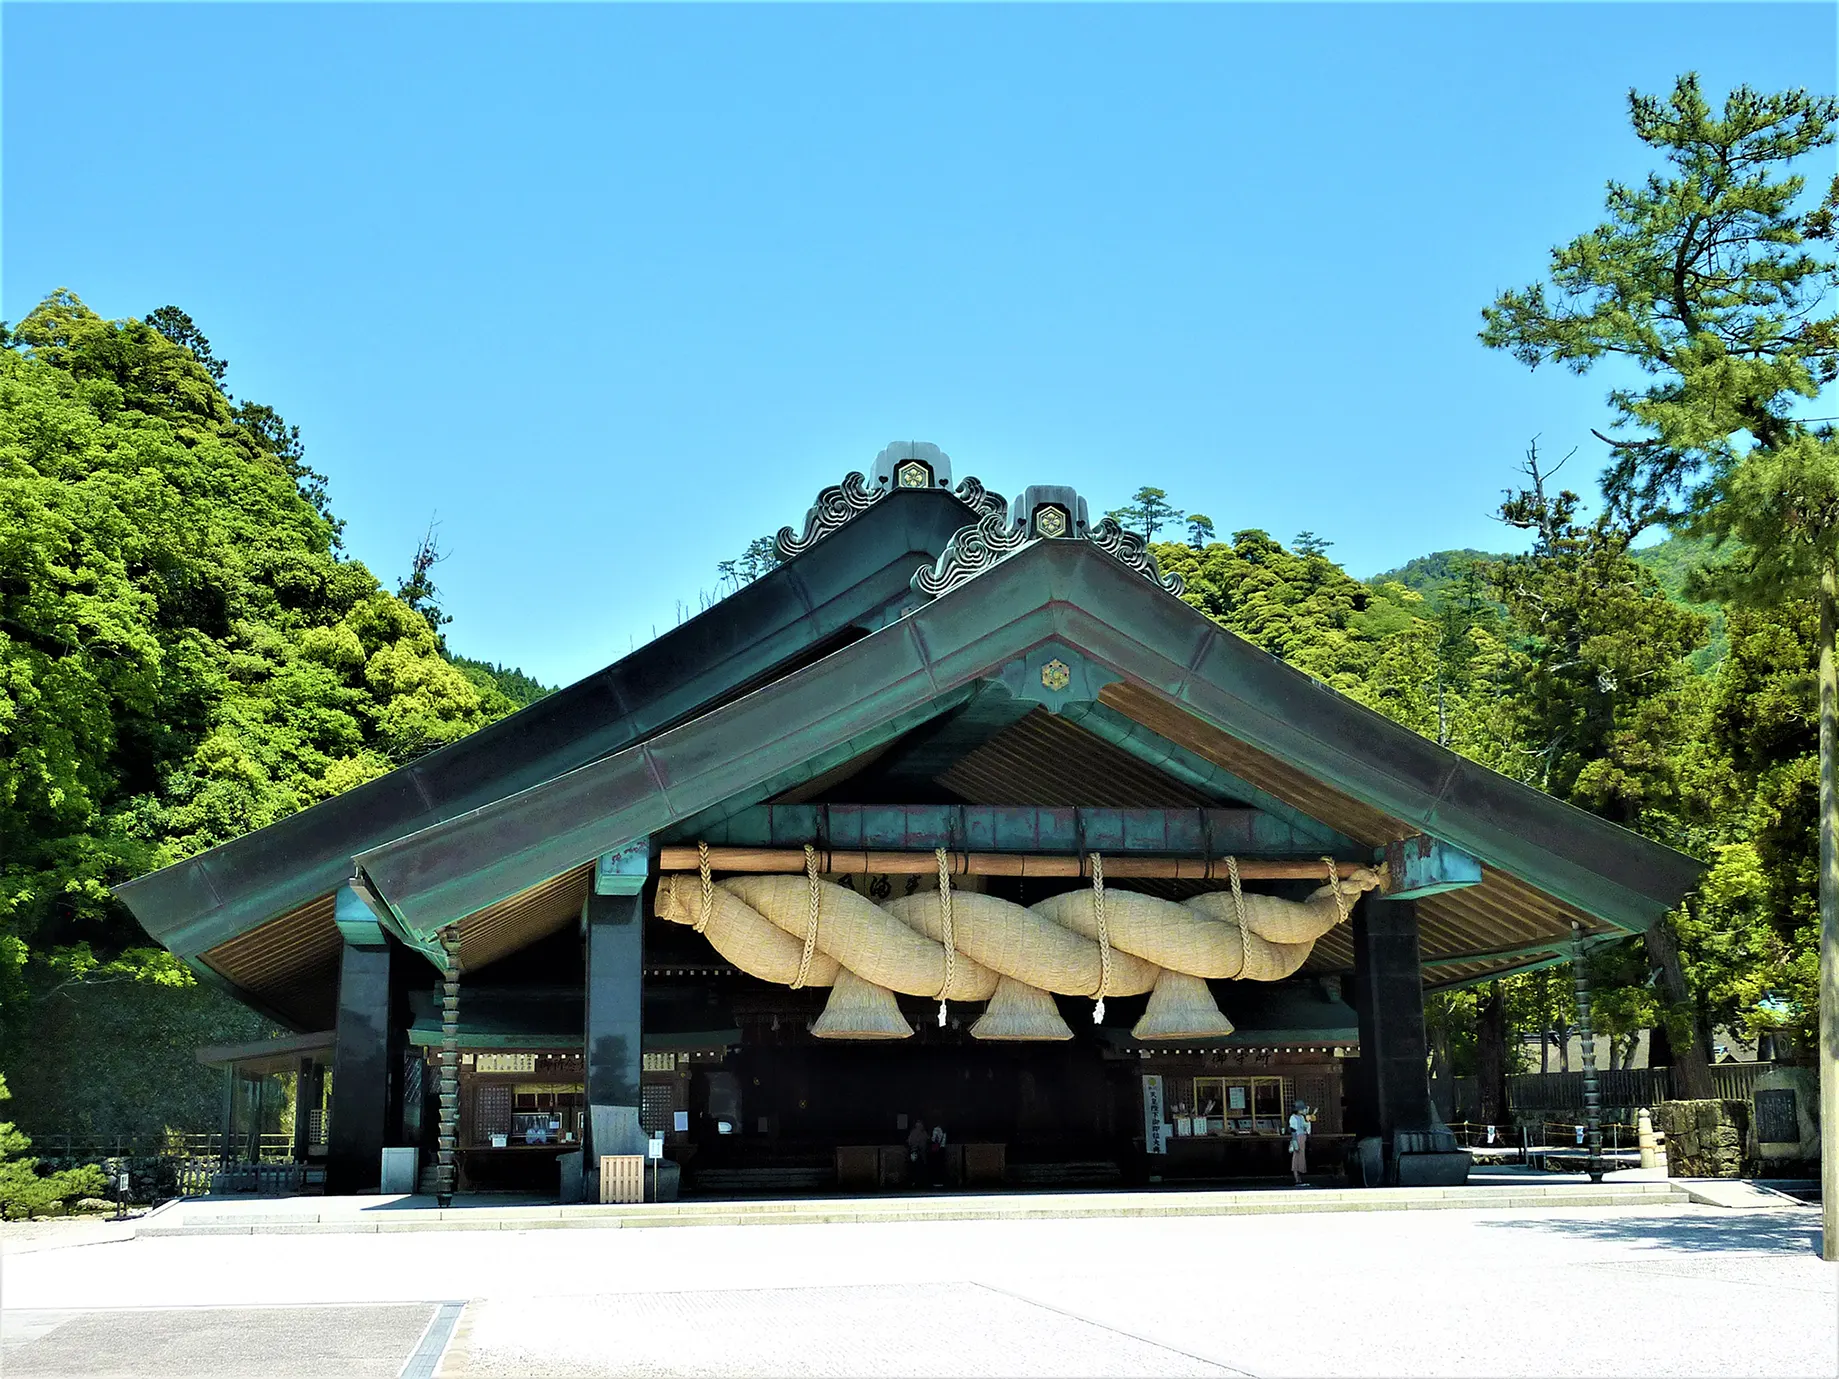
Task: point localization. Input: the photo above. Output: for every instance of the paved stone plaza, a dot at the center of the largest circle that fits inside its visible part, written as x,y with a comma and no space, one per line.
1676,1290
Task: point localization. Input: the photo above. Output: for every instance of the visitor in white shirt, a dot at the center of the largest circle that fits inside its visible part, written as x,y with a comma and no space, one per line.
1299,1141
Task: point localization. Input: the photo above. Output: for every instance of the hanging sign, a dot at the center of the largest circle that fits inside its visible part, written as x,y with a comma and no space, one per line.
1155,1129
505,1063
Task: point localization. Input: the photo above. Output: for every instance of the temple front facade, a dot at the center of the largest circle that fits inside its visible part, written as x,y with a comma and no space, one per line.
958,819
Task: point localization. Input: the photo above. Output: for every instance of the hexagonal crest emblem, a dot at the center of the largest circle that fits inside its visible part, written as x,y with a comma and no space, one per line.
1056,674
913,474
1050,521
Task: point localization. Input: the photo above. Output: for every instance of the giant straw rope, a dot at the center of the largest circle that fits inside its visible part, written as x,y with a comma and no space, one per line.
966,946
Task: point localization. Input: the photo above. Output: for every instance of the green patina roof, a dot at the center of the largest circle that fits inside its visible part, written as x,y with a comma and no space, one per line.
1053,598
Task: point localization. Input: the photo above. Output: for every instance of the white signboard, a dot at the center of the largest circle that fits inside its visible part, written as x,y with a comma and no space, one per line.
1155,1129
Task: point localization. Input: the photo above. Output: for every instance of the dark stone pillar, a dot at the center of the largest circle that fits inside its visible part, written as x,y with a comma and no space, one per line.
615,941
362,1059
1401,1141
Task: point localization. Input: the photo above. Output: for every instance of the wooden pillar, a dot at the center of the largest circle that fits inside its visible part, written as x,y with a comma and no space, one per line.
361,1054
1401,1139
613,932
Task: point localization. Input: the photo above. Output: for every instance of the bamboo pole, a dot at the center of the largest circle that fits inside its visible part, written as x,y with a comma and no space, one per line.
1117,865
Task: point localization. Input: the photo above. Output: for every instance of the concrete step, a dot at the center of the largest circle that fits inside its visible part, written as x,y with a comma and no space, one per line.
348,1217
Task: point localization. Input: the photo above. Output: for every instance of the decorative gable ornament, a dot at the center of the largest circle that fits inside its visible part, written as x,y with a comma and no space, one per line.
904,464
1042,513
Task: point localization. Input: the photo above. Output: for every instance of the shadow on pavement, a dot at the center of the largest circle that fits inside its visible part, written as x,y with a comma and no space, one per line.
1789,1231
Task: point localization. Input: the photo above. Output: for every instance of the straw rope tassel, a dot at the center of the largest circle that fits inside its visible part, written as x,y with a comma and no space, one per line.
817,909
951,948
1238,909
1104,936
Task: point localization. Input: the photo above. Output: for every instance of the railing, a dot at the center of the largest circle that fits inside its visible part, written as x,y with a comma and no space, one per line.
195,1145
1540,1135
1617,1088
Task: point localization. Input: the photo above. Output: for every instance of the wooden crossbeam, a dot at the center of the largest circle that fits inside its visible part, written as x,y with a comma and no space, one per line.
1123,866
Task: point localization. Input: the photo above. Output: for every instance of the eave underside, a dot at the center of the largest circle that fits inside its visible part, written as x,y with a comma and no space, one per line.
1023,755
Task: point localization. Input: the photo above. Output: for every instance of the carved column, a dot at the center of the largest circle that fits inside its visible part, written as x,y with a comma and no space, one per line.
448,1132
1593,1102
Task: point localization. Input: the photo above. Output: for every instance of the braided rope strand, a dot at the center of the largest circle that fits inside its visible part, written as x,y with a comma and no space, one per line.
1238,908
1104,936
951,947
817,907
1334,879
708,887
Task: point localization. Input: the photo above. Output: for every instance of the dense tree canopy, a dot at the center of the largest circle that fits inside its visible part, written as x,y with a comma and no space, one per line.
184,653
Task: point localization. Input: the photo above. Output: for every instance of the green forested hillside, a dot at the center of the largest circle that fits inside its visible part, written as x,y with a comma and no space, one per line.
512,683
1430,575
185,651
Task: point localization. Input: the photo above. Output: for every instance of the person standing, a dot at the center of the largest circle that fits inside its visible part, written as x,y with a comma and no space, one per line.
1299,1141
936,1155
916,1150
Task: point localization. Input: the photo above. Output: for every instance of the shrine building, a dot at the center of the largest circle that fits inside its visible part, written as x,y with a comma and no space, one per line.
960,815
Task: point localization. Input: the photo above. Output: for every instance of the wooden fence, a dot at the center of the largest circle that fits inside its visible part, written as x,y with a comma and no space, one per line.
194,1145
1619,1089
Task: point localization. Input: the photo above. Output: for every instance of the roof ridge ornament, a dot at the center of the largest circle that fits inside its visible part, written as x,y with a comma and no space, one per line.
904,464
974,495
1128,548
1039,514
834,506
988,541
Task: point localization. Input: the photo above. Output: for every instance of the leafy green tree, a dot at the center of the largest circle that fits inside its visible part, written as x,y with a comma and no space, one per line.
1147,513
1200,529
179,328
1601,668
760,555
25,1190
1703,279
417,588
183,656
1307,543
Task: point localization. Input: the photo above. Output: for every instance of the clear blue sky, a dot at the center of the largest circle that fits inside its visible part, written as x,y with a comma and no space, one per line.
613,289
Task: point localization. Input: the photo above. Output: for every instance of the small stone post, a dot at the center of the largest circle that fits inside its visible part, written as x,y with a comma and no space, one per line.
1644,1137
1593,1102
449,1131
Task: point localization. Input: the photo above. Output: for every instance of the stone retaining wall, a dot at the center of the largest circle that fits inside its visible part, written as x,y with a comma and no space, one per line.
1706,1139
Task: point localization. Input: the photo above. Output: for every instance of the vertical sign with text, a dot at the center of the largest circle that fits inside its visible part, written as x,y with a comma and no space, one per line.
1155,1130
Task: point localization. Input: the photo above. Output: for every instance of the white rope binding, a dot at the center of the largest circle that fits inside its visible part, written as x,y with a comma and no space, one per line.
1104,937
951,949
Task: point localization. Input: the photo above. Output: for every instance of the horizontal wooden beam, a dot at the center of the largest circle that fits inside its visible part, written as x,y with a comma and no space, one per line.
1519,950
1120,867
1421,865
1011,828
